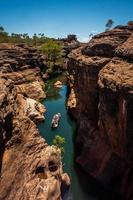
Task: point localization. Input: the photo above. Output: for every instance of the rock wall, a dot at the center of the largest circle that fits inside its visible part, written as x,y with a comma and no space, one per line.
29,168
100,85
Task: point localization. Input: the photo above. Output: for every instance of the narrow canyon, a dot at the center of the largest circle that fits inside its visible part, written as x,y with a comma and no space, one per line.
100,100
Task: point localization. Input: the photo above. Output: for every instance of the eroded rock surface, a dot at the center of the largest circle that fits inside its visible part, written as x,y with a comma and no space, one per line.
31,108
22,65
29,168
101,100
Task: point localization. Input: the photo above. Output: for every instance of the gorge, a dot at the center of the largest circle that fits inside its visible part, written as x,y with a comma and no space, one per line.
98,96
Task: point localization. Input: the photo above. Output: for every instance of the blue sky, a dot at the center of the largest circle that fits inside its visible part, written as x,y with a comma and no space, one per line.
57,18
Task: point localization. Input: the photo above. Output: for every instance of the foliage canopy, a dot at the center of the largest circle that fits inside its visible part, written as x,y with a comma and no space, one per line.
51,49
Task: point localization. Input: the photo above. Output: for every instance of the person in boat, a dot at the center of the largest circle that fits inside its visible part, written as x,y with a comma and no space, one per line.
55,120
59,114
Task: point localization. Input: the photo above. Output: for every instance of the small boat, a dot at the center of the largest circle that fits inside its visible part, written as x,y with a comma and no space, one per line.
55,120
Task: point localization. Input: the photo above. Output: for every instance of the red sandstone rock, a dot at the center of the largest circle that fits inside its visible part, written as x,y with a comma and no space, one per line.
101,100
126,49
29,168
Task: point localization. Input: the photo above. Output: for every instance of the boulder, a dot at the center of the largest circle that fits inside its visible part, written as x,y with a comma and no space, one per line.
58,84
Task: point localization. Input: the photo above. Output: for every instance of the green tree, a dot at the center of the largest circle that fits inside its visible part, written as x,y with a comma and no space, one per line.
91,35
42,34
4,37
39,34
26,38
35,38
109,24
52,50
1,29
25,35
72,37
59,142
41,38
16,38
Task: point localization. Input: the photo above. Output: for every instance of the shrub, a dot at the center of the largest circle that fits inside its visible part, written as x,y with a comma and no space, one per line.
51,49
109,24
59,141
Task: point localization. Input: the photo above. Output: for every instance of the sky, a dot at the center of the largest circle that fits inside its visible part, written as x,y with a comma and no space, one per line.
57,18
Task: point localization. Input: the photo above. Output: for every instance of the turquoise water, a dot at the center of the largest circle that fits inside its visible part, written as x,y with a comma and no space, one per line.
82,187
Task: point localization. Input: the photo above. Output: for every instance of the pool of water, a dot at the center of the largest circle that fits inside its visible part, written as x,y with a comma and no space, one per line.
82,187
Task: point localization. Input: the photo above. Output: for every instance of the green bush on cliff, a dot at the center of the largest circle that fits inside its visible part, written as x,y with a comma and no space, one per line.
59,141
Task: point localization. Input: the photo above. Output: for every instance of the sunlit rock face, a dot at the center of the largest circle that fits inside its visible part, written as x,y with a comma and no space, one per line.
22,65
100,86
29,168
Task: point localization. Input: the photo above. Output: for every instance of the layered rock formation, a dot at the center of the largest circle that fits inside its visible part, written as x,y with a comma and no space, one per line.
22,65
101,100
29,168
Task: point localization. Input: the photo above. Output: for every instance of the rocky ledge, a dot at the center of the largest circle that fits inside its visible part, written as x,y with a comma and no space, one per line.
29,168
100,85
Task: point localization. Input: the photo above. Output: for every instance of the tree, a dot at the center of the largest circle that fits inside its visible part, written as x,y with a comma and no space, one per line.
59,141
35,39
42,34
1,29
16,38
91,35
109,24
71,37
3,35
51,49
25,35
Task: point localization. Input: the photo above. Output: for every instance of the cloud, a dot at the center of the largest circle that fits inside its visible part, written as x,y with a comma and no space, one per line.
83,39
94,31
88,37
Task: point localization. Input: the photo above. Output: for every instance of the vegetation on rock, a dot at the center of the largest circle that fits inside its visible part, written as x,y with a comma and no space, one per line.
51,49
109,24
59,141
53,53
24,38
